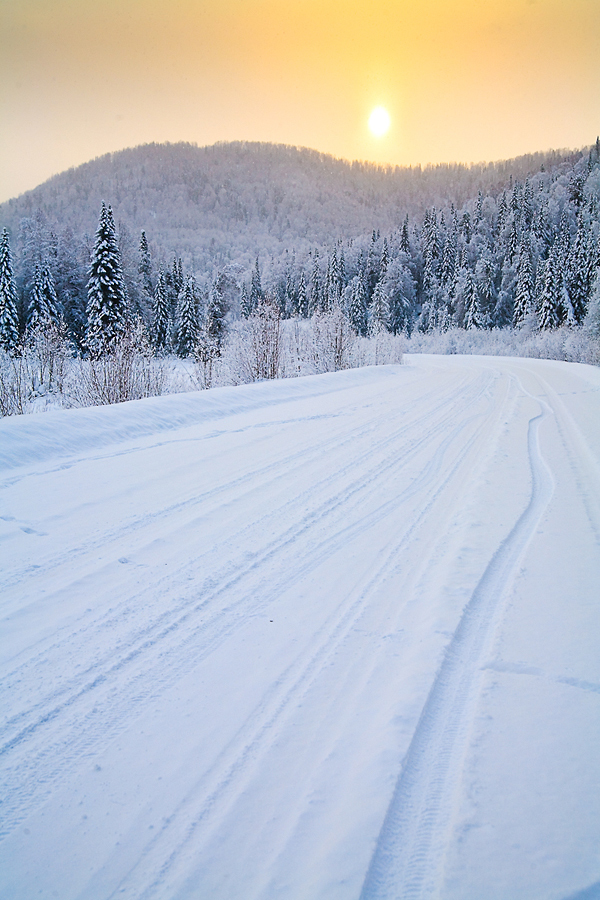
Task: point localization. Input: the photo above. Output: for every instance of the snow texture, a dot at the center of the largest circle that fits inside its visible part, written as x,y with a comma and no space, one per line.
327,638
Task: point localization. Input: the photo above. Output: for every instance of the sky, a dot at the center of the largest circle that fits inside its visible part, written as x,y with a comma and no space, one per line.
462,80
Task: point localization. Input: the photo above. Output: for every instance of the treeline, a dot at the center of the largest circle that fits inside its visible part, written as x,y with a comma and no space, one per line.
527,256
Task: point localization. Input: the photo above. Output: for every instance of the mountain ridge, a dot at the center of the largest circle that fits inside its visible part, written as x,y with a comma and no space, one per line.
234,199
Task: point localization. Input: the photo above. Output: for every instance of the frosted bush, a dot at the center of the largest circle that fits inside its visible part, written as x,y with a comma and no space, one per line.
568,344
128,372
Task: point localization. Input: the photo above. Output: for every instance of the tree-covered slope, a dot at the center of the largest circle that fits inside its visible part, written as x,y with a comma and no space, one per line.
229,201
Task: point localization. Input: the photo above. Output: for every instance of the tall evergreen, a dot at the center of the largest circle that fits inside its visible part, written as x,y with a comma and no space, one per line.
524,304
145,266
471,316
549,301
245,305
579,273
9,319
256,292
106,307
160,313
187,320
380,310
404,238
302,297
315,286
43,301
358,305
216,311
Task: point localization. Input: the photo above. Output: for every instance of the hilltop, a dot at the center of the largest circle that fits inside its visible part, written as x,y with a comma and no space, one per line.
227,202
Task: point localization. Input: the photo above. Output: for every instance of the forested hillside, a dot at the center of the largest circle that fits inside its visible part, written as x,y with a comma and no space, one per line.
191,240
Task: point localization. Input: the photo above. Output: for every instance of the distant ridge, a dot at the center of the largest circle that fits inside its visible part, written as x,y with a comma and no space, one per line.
228,200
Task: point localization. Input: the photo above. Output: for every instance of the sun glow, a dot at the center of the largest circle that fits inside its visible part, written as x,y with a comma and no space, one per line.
379,121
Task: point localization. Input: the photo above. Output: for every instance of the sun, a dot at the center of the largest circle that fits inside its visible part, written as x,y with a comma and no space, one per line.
379,121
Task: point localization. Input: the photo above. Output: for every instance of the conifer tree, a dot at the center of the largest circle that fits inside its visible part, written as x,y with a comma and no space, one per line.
592,318
504,309
358,306
385,259
404,238
245,306
9,319
579,274
290,306
145,266
486,291
216,311
256,292
380,310
550,297
160,313
43,302
333,290
524,304
315,287
187,320
471,319
302,298
106,307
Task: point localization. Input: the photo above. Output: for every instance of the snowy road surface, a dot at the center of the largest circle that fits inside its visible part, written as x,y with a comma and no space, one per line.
322,639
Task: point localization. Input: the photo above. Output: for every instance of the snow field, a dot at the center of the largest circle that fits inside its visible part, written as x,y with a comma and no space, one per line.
329,638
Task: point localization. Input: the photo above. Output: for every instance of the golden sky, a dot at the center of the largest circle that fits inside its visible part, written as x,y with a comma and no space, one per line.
463,80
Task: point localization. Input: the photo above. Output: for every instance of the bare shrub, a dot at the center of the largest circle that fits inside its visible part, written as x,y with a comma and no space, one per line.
46,350
332,340
207,353
380,349
255,351
571,344
15,391
127,372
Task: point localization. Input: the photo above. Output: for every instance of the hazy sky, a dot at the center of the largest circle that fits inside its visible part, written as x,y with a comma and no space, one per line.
463,80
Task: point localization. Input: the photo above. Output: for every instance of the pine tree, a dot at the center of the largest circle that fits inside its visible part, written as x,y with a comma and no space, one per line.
187,320
471,318
380,310
245,305
302,298
315,286
216,311
579,273
486,290
106,308
404,238
9,319
550,297
290,303
524,305
145,266
358,306
333,289
256,292
385,259
43,302
160,313
504,308
592,318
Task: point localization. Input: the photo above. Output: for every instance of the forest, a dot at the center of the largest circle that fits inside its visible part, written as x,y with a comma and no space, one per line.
288,262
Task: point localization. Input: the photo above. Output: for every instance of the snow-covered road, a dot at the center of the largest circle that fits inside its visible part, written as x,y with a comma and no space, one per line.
318,639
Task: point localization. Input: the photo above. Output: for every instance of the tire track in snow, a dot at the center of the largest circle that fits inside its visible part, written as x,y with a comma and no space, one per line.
222,622
304,456
81,735
213,797
407,863
353,490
